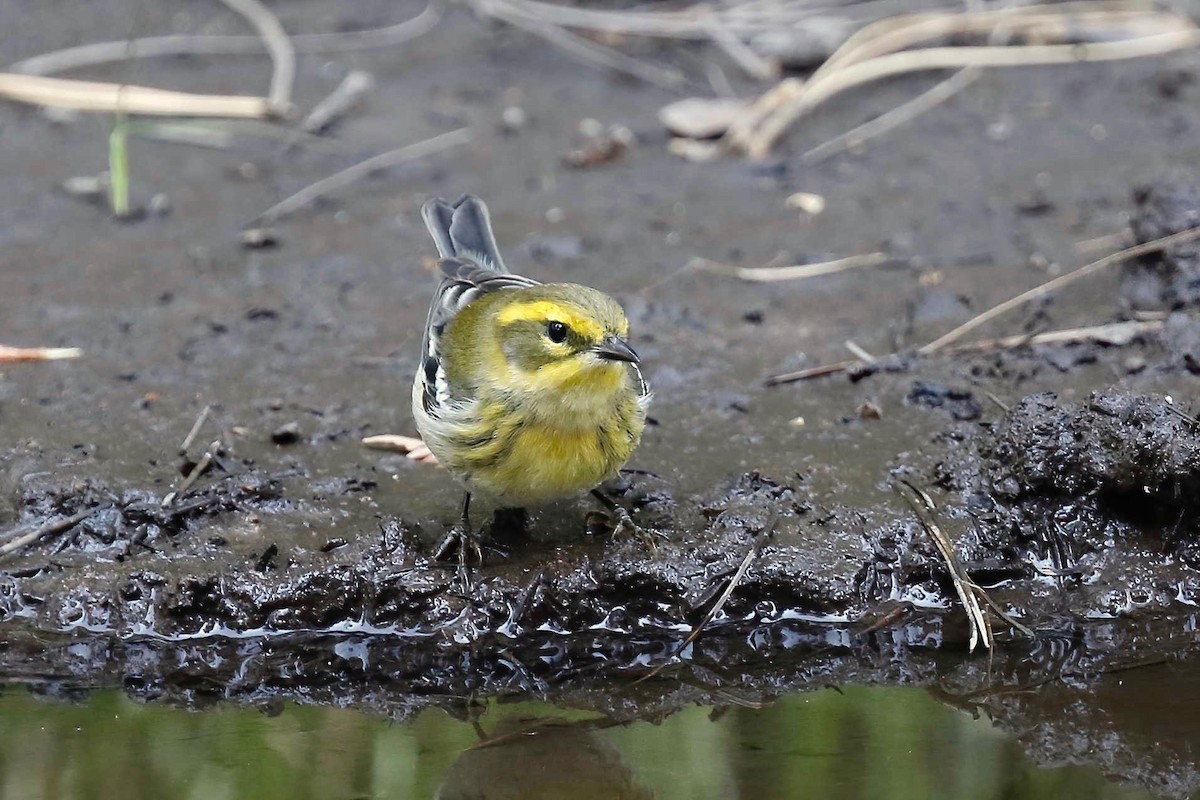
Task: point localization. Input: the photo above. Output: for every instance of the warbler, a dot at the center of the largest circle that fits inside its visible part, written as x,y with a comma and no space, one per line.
526,392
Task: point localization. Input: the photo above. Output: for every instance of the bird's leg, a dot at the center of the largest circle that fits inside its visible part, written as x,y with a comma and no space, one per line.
623,524
461,539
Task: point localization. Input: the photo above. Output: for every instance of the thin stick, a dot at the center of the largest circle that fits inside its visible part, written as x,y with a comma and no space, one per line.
219,134
741,54
127,98
409,446
362,169
693,22
1049,286
157,46
1106,242
1114,333
795,272
767,105
813,372
905,31
894,118
718,80
348,94
587,51
1009,619
196,471
819,91
686,24
283,56
755,548
17,355
195,430
976,622
858,352
49,529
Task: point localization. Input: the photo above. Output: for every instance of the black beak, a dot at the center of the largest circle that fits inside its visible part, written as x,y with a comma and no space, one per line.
612,348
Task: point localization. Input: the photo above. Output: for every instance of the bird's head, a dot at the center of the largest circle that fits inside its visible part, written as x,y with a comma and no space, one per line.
564,336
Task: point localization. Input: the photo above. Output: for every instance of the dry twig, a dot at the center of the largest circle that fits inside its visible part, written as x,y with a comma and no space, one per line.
195,430
348,94
16,355
157,46
878,51
283,56
49,529
894,118
587,51
818,371
198,469
409,446
1108,241
355,173
977,624
741,54
756,546
127,98
1114,333
791,273
1128,253
859,353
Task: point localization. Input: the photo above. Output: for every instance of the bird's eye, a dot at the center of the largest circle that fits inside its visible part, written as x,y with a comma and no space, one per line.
557,331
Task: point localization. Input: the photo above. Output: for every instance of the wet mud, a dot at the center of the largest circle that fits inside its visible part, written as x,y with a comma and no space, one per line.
298,565
1083,493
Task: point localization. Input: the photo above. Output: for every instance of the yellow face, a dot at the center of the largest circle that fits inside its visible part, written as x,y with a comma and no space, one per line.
558,336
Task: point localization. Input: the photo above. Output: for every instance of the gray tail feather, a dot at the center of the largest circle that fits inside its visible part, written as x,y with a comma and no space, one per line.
463,230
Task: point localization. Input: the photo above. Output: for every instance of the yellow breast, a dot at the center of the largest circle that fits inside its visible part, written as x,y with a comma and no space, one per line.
546,463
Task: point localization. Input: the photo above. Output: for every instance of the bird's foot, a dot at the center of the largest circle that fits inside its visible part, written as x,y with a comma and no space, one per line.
464,544
622,526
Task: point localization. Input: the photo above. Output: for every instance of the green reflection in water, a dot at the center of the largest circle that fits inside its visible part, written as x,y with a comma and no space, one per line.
891,743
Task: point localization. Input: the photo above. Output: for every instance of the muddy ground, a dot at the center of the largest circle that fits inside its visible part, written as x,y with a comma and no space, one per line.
1065,476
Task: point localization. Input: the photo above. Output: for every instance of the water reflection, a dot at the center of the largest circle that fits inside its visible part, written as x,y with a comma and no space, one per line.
541,759
859,742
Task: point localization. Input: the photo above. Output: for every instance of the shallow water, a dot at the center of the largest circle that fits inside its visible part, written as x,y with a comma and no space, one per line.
858,742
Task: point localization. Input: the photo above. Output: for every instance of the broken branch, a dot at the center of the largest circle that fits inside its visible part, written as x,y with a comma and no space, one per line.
127,98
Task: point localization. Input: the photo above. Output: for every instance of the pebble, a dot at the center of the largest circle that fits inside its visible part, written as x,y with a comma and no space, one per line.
288,433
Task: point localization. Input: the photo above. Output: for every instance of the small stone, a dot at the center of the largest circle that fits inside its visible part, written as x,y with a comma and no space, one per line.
513,119
868,410
694,150
961,404
288,433
701,117
89,187
258,238
160,205
1001,130
807,202
803,46
591,128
